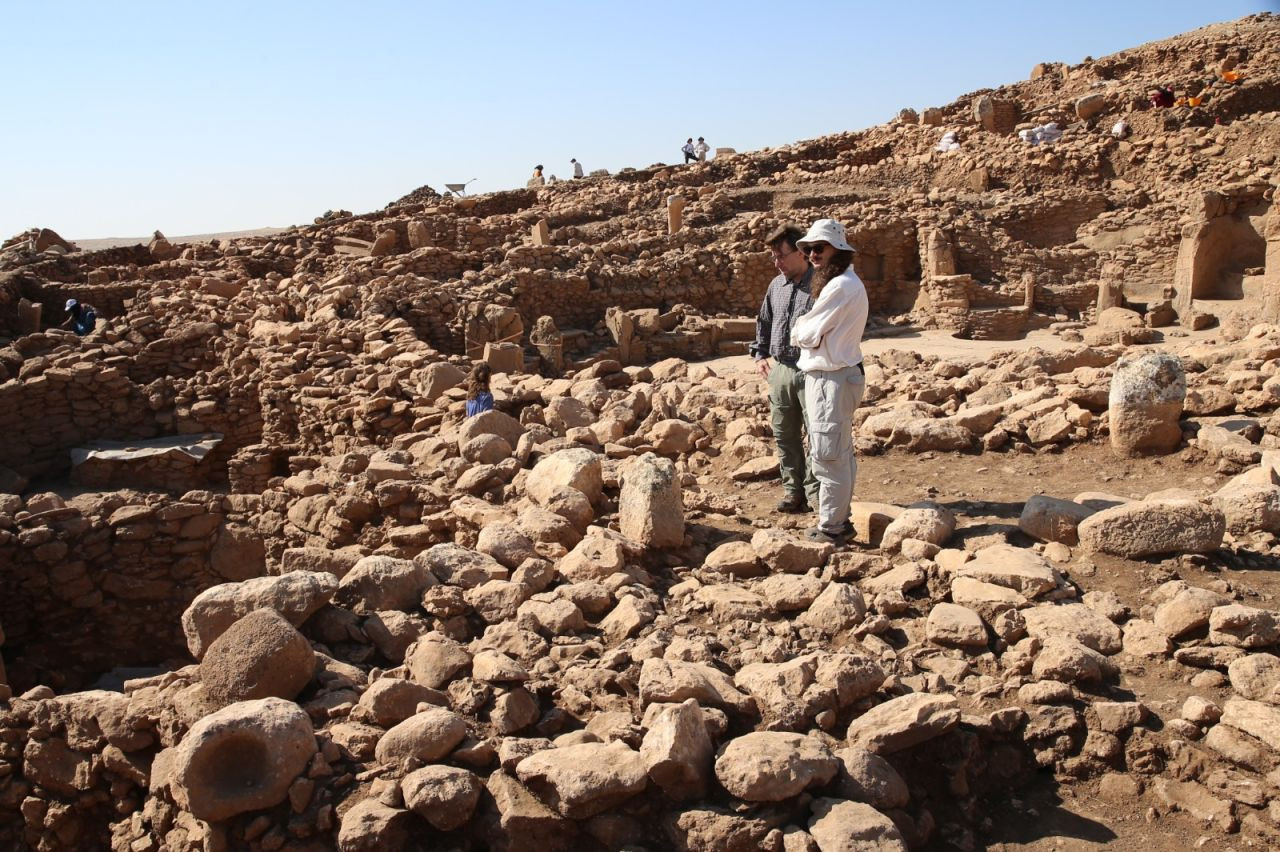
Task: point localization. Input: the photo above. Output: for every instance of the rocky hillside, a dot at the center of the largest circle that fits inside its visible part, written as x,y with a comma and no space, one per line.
267,588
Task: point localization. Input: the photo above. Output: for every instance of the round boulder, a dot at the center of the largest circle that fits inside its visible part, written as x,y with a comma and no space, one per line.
260,656
241,758
444,796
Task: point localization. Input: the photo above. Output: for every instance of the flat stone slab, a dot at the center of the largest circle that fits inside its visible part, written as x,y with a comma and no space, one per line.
903,722
194,446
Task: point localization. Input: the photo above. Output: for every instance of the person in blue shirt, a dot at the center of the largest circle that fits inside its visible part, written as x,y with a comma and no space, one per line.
479,399
80,318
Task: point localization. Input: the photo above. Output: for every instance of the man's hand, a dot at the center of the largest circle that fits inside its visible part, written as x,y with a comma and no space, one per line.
762,367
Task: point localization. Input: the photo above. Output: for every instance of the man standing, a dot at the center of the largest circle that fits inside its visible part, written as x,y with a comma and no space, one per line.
701,149
786,299
577,167
687,150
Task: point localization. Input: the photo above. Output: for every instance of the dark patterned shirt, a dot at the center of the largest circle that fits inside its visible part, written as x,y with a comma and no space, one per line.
784,301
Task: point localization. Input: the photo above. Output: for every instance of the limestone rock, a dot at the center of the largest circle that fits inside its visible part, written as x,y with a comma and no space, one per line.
903,722
1259,720
444,796
868,777
427,736
1152,527
669,681
1256,677
1024,571
459,566
296,596
1145,404
435,659
1051,519
839,607
1069,661
383,583
769,766
650,506
1243,627
575,468
790,694
785,553
241,758
582,780
370,826
677,751
839,826
389,701
260,656
1076,621
735,558
931,523
951,624
1188,610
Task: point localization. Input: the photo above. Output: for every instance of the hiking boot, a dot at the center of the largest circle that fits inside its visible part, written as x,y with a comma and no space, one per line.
793,504
819,534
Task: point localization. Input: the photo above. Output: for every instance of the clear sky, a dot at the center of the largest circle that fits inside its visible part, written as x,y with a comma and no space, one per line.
121,118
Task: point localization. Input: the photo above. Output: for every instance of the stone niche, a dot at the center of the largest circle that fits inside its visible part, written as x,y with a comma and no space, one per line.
1233,236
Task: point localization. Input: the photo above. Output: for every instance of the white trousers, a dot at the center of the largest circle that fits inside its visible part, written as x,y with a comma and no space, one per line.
831,398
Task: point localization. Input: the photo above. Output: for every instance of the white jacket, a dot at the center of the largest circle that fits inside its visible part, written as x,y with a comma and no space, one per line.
830,334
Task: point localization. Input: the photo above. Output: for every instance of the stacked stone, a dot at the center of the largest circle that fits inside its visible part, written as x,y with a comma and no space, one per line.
133,566
77,403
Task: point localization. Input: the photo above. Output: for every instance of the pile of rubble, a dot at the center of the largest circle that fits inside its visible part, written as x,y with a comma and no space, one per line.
326,609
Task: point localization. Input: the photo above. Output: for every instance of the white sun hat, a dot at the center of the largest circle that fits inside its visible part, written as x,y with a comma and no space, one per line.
827,231
71,303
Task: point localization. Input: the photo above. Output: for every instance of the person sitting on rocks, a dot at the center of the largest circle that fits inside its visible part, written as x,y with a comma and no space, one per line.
537,179
81,318
479,399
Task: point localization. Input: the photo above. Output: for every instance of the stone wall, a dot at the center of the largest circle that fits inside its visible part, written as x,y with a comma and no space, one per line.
101,580
74,405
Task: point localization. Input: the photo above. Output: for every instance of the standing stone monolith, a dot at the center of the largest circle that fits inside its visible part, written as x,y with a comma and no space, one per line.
651,507
1145,404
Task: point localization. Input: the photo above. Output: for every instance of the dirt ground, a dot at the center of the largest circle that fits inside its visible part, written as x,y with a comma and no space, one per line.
987,492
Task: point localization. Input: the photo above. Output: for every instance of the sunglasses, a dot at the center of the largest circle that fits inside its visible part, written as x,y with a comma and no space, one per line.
815,249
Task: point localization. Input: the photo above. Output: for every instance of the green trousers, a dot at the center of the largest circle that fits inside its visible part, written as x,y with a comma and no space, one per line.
787,408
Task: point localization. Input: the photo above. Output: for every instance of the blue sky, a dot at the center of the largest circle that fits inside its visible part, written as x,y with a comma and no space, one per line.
198,117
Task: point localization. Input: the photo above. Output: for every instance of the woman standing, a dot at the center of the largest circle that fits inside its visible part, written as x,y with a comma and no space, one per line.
830,340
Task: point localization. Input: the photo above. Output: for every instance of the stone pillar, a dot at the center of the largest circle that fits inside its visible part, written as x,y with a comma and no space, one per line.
1271,268
504,357
29,313
1110,294
675,213
1029,290
622,327
550,345
1145,404
539,233
937,257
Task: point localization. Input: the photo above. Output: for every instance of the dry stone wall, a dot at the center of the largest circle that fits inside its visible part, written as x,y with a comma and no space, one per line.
104,577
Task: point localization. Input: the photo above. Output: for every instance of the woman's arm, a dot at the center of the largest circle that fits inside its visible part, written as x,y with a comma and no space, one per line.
821,318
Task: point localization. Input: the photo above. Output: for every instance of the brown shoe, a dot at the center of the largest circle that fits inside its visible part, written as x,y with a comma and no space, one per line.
793,504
